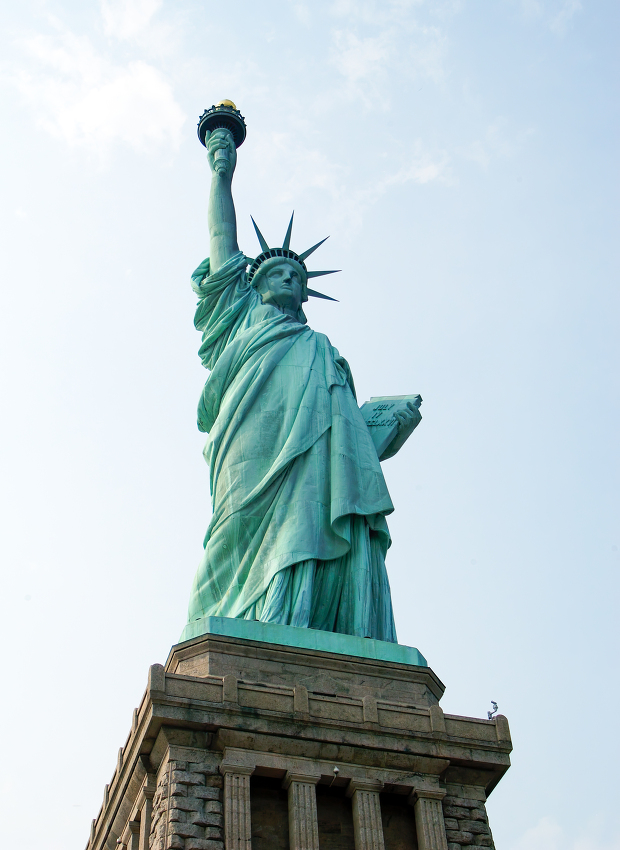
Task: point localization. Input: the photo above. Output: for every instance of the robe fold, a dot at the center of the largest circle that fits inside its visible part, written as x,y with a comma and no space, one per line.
298,533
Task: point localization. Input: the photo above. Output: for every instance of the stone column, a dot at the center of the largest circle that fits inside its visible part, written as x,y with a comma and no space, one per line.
303,824
146,817
134,841
237,820
367,824
429,823
130,836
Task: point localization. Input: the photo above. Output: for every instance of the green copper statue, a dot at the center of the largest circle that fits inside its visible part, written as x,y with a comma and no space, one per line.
298,534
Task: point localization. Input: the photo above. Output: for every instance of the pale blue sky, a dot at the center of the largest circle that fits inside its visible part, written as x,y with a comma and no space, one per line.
462,156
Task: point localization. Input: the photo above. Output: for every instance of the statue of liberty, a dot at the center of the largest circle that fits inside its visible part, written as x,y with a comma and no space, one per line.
299,533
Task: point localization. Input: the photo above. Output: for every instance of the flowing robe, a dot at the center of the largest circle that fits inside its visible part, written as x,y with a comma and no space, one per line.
298,533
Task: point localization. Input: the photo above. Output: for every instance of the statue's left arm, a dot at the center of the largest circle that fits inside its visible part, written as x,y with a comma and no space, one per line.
407,420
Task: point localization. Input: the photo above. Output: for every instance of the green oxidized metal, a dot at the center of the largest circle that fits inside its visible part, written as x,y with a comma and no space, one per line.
298,535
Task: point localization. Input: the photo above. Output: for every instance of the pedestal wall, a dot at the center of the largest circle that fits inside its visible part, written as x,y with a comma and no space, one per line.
244,744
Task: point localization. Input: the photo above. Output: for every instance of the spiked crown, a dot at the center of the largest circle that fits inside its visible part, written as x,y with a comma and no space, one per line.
285,253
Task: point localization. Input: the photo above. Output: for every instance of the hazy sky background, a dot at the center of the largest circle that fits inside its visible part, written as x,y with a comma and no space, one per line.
463,158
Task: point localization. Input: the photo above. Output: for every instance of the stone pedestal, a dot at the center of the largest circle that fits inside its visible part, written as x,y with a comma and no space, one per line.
243,744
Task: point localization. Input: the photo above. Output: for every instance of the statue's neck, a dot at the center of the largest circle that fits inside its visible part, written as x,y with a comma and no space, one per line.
288,311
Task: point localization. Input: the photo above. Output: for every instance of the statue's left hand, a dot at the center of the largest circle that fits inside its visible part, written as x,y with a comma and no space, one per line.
407,420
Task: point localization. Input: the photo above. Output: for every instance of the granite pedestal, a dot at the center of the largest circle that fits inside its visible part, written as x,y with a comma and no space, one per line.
248,744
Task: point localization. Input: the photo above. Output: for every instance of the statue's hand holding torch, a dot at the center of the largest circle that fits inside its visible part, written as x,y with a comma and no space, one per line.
221,129
221,151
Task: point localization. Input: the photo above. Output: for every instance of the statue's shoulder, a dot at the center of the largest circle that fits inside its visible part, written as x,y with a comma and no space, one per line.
200,273
232,272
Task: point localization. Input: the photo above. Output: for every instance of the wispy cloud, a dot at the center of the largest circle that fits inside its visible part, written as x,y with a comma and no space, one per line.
126,19
360,59
546,835
376,40
420,166
137,22
557,15
302,12
378,13
500,141
374,11
92,99
561,21
301,166
549,835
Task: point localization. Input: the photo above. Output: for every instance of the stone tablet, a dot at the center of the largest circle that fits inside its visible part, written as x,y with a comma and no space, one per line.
379,413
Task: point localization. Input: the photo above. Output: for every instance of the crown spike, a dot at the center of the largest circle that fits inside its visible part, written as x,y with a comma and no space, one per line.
264,246
320,295
307,253
287,239
320,274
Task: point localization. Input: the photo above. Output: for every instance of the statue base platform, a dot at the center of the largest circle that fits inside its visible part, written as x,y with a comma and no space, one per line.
243,742
304,639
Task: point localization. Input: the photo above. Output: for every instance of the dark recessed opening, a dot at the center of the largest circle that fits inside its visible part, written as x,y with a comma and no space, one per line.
398,822
335,818
269,808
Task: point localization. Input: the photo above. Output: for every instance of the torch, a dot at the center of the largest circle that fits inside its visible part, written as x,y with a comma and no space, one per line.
224,115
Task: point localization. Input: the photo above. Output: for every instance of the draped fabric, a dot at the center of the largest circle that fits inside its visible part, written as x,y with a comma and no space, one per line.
298,533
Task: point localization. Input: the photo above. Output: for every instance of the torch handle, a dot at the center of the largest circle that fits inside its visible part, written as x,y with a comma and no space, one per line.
221,161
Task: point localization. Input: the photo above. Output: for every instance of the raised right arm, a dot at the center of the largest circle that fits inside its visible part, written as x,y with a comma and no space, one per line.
222,218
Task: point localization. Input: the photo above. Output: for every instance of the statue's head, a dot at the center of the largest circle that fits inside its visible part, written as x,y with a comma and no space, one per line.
281,277
282,282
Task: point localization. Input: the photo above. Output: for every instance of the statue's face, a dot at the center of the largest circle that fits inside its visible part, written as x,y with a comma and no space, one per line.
281,284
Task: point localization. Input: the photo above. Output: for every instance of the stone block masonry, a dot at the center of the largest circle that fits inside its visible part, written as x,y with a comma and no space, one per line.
466,819
243,745
188,807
